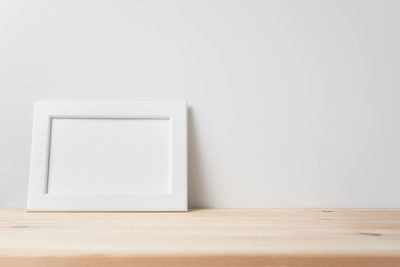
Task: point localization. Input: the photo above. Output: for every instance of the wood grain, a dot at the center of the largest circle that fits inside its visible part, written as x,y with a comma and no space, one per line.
208,237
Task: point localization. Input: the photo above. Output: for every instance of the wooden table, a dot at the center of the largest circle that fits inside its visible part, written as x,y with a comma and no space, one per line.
208,237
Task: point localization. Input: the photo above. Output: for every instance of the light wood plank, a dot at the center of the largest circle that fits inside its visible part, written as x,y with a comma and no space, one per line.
208,237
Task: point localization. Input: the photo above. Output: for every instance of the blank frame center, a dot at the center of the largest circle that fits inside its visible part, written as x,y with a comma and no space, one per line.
109,156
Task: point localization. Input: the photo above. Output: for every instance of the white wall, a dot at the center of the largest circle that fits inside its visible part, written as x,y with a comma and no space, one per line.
292,103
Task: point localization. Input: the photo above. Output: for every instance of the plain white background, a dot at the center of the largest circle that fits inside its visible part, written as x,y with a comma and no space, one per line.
291,103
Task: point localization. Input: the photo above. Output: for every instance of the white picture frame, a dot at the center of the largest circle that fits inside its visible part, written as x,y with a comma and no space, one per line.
108,156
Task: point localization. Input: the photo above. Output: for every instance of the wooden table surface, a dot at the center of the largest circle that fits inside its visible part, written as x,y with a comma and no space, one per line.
207,237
